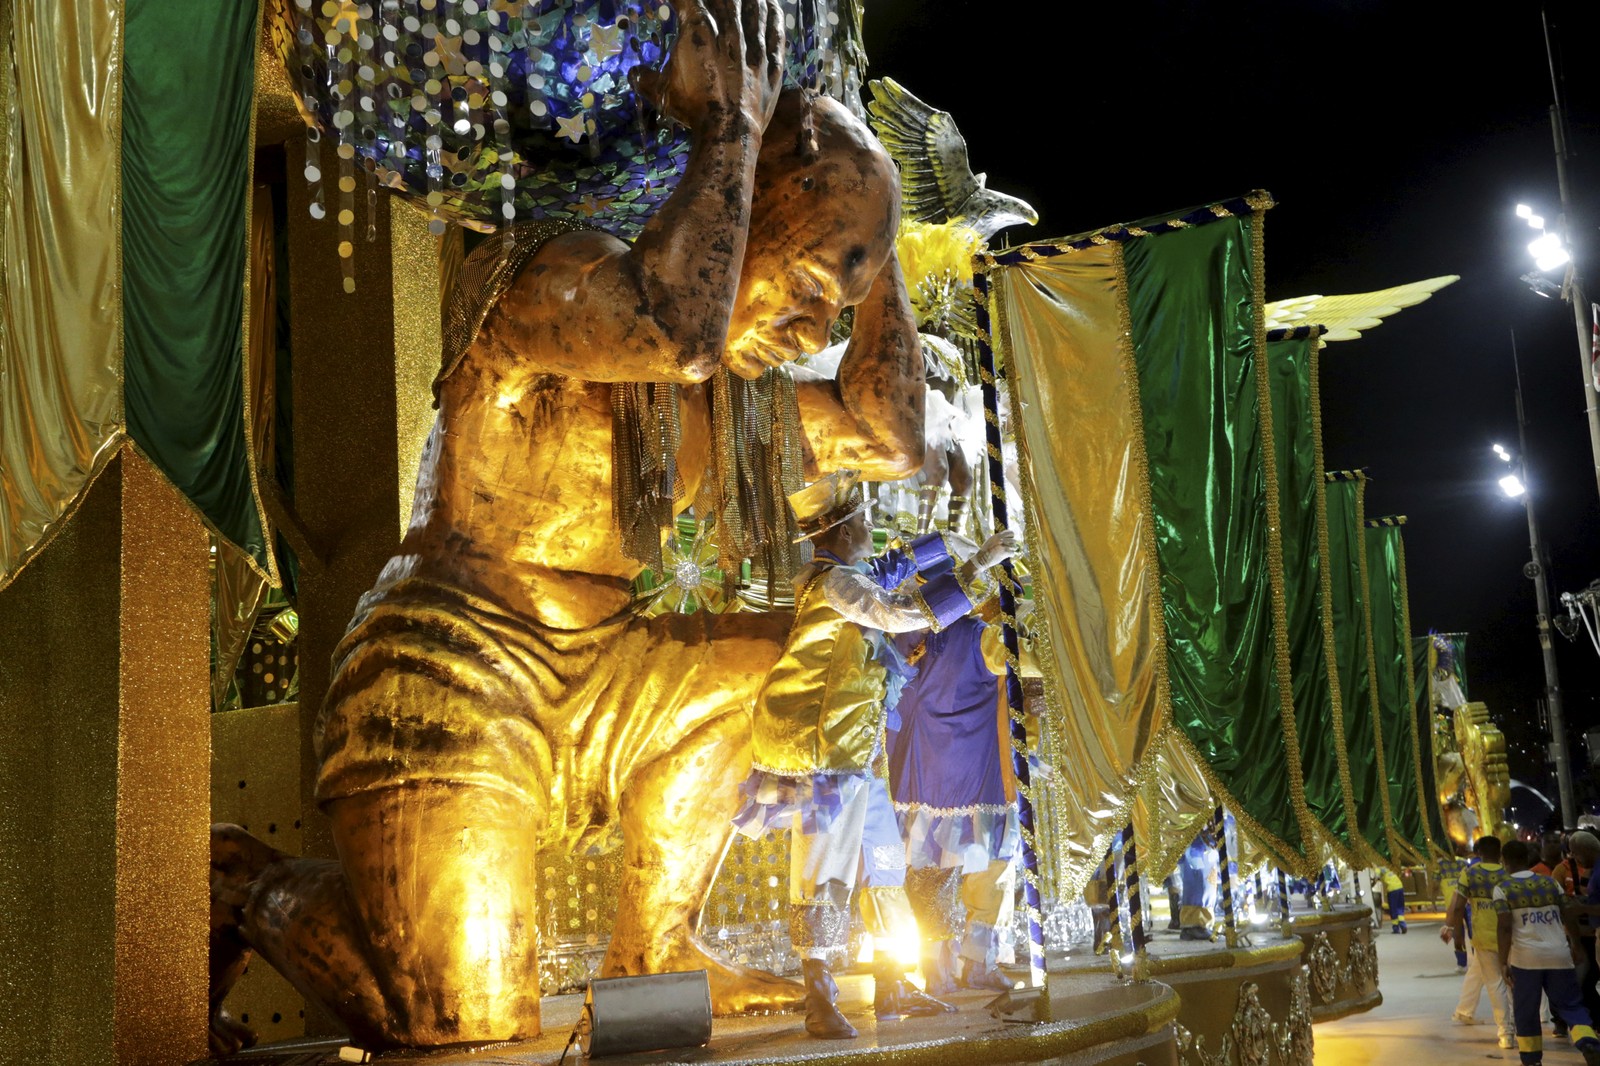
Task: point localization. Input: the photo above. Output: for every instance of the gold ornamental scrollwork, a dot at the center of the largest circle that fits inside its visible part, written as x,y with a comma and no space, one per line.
1253,1038
1325,969
1363,960
1252,1027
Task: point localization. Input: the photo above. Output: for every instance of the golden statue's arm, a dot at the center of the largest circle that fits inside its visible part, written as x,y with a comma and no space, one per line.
870,418
659,310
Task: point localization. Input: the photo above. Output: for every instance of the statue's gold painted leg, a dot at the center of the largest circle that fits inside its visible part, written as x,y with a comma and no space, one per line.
442,884
676,820
423,933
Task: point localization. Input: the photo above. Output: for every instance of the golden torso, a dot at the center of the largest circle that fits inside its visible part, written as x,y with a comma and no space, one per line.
514,493
821,707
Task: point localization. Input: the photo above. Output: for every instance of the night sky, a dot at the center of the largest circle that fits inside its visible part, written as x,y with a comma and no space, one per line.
1397,139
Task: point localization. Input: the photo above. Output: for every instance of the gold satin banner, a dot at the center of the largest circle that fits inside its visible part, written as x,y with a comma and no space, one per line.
61,414
1089,530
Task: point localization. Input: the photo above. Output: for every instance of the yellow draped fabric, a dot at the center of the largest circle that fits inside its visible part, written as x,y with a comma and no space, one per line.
61,409
1089,528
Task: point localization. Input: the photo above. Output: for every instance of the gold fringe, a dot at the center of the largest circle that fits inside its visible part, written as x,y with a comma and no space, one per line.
1311,829
272,576
1330,650
1424,800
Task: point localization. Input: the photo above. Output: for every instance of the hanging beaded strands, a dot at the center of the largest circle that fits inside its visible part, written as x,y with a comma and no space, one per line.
517,117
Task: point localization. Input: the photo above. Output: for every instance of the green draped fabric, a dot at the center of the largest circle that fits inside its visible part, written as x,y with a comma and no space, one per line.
188,88
1295,426
1390,640
1345,551
1190,299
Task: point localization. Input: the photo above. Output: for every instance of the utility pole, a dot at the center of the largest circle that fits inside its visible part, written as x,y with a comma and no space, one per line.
1536,570
1572,284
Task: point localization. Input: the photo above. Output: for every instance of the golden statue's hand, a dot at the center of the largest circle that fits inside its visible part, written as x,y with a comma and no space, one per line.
727,63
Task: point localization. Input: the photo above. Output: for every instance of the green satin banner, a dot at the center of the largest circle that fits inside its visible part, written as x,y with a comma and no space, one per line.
188,91
1345,494
1143,431
1194,307
1319,717
1391,653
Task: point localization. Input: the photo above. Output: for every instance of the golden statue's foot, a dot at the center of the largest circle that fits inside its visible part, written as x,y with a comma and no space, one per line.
735,989
227,1035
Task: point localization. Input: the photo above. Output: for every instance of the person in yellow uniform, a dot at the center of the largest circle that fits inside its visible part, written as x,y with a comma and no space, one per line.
1394,891
1475,887
818,729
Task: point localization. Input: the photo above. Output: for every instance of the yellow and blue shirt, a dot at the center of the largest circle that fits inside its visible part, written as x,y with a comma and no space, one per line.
1477,883
1538,935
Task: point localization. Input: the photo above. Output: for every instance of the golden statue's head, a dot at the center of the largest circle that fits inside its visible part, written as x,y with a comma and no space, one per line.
823,219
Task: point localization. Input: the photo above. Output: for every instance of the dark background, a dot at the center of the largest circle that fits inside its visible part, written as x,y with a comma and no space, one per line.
1397,139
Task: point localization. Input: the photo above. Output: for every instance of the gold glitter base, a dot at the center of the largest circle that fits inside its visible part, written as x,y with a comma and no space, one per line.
104,753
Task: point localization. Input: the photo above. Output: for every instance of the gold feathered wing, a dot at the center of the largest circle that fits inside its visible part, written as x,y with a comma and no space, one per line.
1346,316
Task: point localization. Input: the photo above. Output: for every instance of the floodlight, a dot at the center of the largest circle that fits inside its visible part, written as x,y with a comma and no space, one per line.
1557,258
1524,211
1500,450
1512,486
1536,222
1544,245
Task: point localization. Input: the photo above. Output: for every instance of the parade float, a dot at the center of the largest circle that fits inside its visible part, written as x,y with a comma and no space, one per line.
540,316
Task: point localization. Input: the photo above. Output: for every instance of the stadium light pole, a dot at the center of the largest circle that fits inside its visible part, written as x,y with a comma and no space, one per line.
1554,250
1516,485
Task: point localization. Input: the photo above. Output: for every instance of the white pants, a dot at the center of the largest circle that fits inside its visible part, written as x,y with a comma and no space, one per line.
1483,972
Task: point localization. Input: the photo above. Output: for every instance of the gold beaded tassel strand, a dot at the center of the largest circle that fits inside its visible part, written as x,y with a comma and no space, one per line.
431,99
368,116
501,43
307,47
340,40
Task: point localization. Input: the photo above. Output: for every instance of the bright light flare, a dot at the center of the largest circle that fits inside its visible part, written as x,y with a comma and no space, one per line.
1544,245
1512,486
1500,450
1557,258
1536,222
1524,211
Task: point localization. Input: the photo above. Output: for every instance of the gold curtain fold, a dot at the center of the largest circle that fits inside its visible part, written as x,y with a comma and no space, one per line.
61,414
238,587
1089,530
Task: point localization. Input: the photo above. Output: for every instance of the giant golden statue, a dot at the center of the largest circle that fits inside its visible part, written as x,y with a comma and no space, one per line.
494,693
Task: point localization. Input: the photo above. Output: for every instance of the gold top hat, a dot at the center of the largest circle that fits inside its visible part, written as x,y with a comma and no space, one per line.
826,502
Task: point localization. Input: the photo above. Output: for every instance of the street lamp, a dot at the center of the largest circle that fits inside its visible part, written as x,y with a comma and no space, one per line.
1553,251
1515,486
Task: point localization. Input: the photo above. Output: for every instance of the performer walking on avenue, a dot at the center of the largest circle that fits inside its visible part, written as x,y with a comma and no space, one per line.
1537,930
1476,888
818,730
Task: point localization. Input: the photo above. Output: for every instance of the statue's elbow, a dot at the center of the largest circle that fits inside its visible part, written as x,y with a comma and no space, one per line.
894,460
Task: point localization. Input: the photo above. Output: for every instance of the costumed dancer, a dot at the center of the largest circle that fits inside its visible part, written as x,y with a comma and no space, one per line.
953,798
1199,870
818,727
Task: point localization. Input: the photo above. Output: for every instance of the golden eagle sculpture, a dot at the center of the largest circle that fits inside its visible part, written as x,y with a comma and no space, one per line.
937,184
